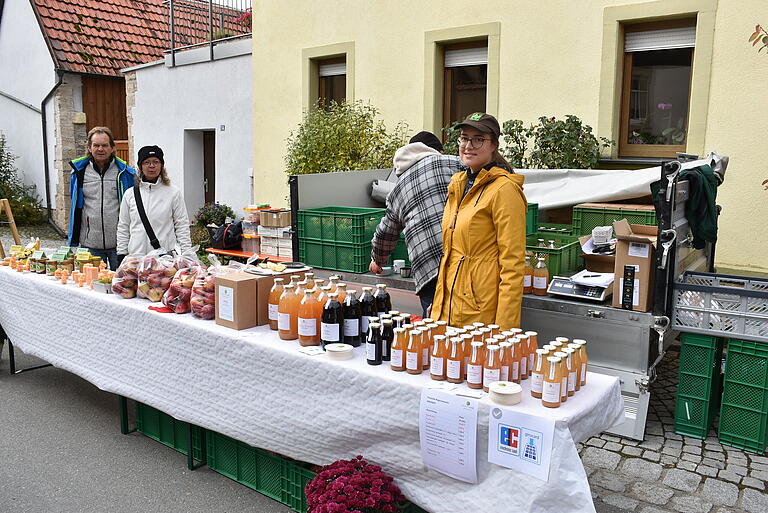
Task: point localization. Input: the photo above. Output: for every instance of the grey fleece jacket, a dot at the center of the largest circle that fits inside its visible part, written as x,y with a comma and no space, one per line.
101,209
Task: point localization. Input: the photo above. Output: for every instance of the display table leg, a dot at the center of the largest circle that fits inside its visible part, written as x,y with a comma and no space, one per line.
12,357
124,428
191,465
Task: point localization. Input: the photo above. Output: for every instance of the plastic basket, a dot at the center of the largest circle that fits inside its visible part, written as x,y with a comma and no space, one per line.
555,228
532,218
587,216
338,256
277,477
744,412
721,305
698,388
561,261
160,426
339,224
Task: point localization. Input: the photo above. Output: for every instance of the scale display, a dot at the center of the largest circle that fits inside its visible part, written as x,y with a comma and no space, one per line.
560,286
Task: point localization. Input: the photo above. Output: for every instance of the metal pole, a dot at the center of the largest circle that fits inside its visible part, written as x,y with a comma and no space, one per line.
173,37
210,26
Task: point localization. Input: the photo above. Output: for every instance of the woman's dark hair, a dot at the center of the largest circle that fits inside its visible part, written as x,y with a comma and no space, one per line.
498,158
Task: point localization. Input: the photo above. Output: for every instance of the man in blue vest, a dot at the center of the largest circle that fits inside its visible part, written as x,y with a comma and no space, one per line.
96,187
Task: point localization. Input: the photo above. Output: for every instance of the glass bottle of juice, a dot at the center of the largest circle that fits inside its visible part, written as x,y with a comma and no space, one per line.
437,358
373,344
352,314
533,345
387,337
495,329
556,344
469,328
406,317
428,320
274,301
301,287
341,290
475,366
528,275
572,370
499,339
576,365
398,321
540,278
383,302
322,296
287,314
454,365
394,313
295,279
332,321
319,284
466,351
399,345
514,365
524,372
550,392
562,340
563,376
413,352
539,369
310,277
367,309
484,333
309,327
551,348
476,336
583,358
442,326
426,345
333,282
491,366
478,325
505,355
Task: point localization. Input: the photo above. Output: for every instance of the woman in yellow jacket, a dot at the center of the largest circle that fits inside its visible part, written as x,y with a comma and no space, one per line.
481,272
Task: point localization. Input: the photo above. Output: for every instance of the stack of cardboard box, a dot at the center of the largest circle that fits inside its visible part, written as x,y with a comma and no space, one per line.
275,233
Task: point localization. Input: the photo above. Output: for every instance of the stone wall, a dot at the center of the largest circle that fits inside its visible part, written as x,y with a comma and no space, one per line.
130,103
69,142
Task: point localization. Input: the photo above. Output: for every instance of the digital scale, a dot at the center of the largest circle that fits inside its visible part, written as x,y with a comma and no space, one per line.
562,286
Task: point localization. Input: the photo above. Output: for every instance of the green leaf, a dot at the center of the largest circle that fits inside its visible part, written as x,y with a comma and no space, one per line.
667,131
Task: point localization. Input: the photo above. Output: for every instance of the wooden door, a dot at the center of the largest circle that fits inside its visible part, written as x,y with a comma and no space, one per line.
209,165
104,104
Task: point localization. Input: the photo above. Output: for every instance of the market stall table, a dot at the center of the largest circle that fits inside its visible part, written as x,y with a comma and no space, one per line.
254,387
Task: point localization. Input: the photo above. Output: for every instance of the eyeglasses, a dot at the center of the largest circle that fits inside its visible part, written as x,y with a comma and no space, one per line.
476,142
151,163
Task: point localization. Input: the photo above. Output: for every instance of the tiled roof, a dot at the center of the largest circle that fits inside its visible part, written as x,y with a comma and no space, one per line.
103,36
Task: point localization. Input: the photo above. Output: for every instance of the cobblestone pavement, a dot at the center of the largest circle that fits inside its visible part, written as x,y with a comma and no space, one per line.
672,473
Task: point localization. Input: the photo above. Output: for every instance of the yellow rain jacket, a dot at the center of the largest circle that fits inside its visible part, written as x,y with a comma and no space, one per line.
481,272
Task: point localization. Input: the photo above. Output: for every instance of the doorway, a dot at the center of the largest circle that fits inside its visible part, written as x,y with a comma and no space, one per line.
209,165
199,168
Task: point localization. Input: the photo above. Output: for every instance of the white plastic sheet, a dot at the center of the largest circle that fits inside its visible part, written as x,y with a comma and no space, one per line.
254,387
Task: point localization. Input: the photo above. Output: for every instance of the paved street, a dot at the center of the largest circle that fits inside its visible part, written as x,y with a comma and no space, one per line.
673,473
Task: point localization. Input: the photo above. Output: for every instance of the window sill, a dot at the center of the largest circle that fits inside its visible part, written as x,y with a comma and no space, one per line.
632,161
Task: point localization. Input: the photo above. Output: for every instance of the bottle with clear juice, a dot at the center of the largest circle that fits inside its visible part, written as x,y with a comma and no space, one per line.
309,323
540,277
274,302
287,314
528,275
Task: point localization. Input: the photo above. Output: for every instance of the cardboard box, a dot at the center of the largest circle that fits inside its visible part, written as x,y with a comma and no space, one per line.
236,300
597,263
275,218
635,245
280,233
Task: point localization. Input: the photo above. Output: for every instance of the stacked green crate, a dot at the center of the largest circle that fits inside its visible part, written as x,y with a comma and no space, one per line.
532,218
555,228
698,387
562,260
165,429
590,215
744,412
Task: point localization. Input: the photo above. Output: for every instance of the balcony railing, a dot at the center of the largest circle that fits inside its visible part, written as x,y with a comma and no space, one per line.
198,23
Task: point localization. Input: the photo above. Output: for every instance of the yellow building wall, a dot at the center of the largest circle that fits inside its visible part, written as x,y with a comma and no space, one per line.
550,63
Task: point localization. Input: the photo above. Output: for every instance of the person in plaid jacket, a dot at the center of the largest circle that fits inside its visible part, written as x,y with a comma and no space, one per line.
415,207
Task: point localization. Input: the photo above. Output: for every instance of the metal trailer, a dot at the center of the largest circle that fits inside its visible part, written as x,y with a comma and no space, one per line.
622,343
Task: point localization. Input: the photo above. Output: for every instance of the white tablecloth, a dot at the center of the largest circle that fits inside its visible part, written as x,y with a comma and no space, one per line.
254,387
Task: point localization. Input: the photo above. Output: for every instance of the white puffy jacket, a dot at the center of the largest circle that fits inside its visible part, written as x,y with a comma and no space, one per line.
167,215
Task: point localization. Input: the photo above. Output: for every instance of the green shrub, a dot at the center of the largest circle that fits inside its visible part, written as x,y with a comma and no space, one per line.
451,143
565,144
342,137
23,200
213,213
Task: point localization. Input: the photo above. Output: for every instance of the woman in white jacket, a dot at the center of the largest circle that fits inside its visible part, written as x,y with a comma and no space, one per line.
163,204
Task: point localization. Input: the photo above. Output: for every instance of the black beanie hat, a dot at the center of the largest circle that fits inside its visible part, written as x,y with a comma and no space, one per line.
150,151
429,139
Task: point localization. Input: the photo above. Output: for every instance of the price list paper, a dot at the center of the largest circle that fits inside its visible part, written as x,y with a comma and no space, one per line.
448,433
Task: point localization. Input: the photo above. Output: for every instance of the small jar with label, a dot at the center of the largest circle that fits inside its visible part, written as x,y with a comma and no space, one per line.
492,364
475,366
550,395
438,358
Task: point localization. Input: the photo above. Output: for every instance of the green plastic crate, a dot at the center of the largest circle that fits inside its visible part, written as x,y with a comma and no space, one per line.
532,218
698,387
561,261
276,477
160,426
338,256
744,412
555,228
339,224
586,218
400,252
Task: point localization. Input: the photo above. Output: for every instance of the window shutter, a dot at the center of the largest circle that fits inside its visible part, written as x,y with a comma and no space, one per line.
330,70
664,39
466,57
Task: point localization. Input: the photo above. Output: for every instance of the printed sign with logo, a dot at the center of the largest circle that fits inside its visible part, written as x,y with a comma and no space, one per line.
520,441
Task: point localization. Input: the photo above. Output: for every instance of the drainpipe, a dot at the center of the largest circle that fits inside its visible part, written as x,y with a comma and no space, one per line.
60,75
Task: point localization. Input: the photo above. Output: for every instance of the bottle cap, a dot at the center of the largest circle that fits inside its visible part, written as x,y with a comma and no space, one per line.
532,333
477,344
553,359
